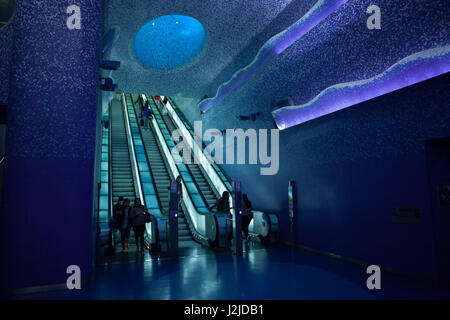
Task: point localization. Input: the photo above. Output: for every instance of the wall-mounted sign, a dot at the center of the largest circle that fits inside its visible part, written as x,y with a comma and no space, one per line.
406,215
444,195
7,10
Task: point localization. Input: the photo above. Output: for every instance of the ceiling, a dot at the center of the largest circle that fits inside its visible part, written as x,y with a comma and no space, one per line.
232,27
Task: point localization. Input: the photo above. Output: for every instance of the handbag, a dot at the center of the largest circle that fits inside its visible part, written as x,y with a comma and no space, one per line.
147,217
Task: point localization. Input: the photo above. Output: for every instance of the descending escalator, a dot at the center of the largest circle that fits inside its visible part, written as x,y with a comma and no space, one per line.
162,178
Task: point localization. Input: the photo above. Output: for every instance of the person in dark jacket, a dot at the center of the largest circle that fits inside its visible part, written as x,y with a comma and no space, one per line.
148,116
117,209
223,204
125,224
137,217
247,215
140,100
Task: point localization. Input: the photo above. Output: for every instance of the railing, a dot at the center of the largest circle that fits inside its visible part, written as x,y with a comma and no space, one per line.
131,150
104,229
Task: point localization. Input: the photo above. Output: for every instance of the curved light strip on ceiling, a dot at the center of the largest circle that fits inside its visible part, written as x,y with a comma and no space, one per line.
273,47
415,68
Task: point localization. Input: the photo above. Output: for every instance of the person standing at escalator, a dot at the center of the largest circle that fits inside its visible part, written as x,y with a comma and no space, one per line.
125,224
179,192
117,211
247,215
137,217
223,204
141,105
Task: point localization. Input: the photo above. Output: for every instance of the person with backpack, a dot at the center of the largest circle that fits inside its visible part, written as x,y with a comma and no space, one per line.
121,212
139,217
148,116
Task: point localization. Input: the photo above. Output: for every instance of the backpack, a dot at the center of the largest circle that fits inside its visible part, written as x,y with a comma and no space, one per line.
115,220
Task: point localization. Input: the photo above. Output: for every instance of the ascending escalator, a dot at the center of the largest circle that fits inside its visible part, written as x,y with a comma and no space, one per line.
162,178
122,175
208,191
264,225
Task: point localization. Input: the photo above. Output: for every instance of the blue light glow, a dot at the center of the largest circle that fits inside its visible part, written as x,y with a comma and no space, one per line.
169,41
413,69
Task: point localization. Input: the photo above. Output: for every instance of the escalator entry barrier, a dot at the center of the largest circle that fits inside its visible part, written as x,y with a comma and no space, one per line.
173,218
237,218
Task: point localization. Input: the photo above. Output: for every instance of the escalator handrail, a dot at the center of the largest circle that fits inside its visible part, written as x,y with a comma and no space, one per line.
131,151
110,197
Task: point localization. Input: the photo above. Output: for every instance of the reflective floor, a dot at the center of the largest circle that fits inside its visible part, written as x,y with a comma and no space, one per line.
275,273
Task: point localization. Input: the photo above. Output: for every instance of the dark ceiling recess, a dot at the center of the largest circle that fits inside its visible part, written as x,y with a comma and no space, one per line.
3,113
7,8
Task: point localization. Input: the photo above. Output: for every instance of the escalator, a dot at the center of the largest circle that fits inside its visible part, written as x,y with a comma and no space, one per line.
206,227
207,190
162,178
263,226
122,175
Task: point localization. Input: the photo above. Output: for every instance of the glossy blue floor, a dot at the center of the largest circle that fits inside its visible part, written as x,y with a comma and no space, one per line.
275,273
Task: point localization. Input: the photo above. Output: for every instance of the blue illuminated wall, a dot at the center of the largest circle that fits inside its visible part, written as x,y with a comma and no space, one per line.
47,209
353,166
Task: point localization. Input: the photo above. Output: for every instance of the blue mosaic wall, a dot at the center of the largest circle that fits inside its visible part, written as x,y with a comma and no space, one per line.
6,46
352,166
50,148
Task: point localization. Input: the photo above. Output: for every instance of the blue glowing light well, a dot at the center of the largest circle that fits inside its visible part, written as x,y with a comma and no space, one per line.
169,41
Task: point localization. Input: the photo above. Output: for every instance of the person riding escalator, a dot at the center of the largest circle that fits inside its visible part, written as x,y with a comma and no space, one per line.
223,204
247,215
139,217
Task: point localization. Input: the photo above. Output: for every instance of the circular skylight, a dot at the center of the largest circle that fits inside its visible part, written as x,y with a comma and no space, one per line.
169,41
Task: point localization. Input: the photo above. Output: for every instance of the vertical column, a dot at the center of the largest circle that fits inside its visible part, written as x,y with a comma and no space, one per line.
237,218
173,218
47,212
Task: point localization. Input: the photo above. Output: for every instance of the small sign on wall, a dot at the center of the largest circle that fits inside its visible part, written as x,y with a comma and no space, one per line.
444,195
406,215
